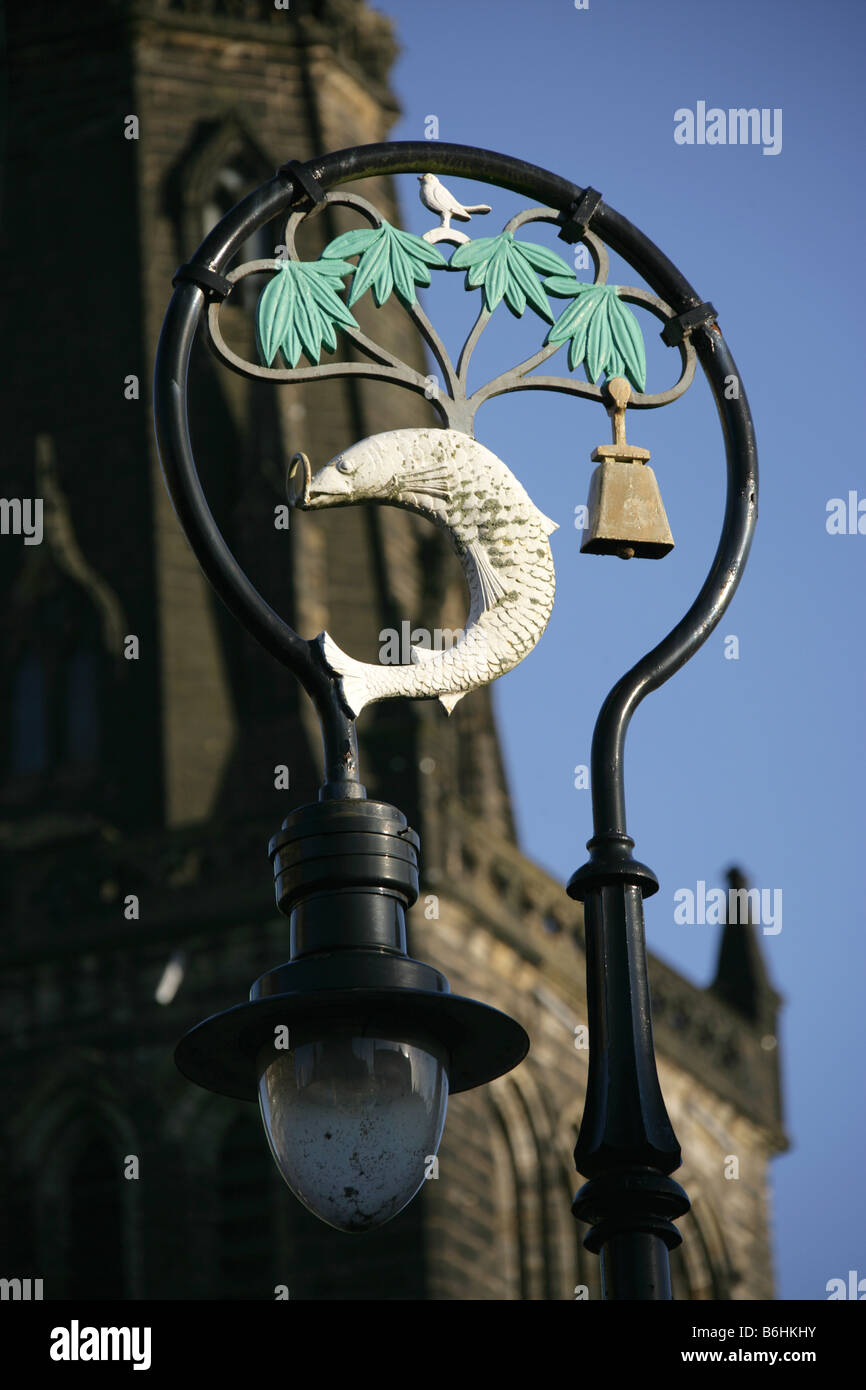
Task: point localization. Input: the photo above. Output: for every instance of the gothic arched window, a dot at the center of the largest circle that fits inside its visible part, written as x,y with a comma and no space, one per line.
233,181
28,723
53,698
81,733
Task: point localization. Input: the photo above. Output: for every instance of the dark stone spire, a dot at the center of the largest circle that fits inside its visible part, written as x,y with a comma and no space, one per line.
741,976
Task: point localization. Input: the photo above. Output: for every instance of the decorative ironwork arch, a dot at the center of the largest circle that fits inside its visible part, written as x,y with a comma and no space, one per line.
201,281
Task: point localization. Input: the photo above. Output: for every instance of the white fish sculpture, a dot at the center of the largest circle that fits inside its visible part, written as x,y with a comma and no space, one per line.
498,532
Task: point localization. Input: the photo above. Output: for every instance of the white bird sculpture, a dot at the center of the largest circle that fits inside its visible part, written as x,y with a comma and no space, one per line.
435,196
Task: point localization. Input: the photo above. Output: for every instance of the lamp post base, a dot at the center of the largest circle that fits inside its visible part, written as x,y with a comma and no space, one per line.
626,1146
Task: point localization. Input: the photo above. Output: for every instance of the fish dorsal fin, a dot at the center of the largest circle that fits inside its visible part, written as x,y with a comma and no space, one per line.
420,654
449,701
547,525
492,587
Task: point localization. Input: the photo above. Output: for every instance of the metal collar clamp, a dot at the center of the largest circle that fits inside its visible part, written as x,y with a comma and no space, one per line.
215,286
306,185
676,329
578,216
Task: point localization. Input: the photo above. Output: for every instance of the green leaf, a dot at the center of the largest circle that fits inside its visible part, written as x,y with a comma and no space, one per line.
332,270
274,312
524,278
401,269
327,300
471,252
350,243
383,283
475,275
300,310
614,364
597,342
506,268
420,250
496,276
393,260
329,335
626,334
577,315
370,265
576,349
541,259
291,345
307,318
515,298
602,333
563,286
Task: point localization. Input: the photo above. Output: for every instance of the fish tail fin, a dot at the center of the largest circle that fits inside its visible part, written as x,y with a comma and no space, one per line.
355,691
449,701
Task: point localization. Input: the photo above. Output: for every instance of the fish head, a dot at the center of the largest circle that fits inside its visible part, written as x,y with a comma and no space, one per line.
361,473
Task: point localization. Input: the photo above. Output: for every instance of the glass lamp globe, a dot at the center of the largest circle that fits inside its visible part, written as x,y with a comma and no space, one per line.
352,1122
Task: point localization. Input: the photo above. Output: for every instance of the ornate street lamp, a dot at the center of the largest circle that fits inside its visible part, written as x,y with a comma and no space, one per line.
351,1047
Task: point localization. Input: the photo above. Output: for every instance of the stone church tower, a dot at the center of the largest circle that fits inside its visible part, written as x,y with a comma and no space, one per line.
142,728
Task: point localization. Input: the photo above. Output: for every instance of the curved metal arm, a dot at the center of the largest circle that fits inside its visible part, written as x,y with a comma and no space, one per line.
339,740
693,629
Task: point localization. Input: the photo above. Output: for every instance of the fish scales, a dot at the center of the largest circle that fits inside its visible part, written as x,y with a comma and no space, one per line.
499,534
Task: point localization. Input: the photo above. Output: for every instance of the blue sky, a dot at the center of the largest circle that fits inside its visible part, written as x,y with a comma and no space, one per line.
757,760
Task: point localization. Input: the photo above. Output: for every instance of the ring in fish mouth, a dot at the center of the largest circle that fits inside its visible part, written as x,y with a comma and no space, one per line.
298,479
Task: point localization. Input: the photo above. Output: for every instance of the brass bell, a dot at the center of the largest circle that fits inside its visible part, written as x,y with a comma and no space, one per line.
626,513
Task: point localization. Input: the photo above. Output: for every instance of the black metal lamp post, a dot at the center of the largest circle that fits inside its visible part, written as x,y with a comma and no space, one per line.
350,1016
